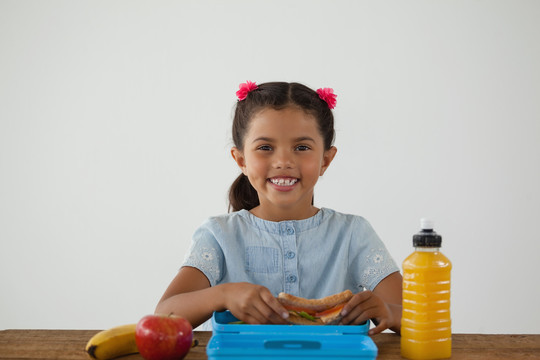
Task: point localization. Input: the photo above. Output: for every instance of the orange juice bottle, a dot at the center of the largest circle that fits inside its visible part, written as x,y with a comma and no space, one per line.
425,324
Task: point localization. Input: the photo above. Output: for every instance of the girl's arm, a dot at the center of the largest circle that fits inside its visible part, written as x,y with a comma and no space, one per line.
190,295
382,305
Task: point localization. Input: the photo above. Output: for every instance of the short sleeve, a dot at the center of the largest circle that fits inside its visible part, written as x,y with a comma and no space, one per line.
206,255
370,261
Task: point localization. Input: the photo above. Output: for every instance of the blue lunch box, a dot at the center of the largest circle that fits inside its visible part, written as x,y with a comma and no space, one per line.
243,341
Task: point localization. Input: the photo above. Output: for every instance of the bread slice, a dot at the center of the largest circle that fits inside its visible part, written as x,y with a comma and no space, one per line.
332,316
325,311
314,305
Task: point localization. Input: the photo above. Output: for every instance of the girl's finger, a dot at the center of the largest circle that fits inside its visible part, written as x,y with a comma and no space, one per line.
355,301
279,313
255,317
377,329
360,313
271,308
270,312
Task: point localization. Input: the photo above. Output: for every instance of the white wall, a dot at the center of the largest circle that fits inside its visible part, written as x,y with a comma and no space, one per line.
114,141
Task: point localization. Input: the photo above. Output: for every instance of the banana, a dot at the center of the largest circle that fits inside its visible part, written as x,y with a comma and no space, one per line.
112,343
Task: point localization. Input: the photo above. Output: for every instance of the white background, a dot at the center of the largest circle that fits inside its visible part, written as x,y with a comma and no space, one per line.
115,134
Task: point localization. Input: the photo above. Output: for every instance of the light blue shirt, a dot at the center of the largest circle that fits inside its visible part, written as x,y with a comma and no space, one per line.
313,258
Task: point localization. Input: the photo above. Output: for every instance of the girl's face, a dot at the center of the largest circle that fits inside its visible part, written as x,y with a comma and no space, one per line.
283,158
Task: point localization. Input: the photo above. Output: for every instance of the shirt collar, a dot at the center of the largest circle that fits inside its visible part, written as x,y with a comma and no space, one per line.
278,227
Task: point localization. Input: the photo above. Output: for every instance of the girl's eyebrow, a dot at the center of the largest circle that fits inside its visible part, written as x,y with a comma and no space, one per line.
262,138
304,138
299,139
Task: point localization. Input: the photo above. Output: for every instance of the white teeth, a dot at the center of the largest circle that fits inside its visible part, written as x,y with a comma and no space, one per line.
284,182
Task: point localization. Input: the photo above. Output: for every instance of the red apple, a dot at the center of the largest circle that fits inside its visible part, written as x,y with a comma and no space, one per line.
163,337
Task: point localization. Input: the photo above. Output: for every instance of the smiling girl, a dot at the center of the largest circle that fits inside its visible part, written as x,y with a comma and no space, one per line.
275,240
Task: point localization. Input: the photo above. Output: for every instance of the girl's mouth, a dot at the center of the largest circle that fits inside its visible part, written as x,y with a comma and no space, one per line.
283,181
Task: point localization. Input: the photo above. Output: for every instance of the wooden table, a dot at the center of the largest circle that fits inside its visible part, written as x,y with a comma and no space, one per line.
69,344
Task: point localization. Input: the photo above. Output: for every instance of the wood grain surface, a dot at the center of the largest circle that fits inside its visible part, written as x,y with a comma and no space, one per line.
69,344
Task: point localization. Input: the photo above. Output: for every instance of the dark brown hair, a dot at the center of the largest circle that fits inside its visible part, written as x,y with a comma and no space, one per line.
277,96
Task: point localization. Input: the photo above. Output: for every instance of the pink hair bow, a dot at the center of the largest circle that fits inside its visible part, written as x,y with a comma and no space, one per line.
327,94
245,89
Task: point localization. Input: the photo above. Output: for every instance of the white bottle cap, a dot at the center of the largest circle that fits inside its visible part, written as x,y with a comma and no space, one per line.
426,224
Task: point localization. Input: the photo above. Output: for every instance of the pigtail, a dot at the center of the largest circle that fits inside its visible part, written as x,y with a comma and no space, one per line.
242,195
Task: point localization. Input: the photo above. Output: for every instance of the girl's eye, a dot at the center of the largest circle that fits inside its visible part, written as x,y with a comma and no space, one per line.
302,147
264,147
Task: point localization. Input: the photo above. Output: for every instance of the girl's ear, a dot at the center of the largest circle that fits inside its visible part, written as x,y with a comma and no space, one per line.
328,156
238,156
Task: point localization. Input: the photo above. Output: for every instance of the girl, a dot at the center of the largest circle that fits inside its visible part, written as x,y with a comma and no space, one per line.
276,240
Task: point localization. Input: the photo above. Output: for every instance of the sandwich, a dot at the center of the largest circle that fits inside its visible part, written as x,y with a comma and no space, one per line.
325,311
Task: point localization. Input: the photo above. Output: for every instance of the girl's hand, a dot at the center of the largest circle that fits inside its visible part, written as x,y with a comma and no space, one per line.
254,304
367,305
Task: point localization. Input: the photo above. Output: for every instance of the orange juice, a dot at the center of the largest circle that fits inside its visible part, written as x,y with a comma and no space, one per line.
425,324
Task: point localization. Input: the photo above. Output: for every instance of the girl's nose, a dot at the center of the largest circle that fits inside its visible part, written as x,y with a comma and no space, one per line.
283,160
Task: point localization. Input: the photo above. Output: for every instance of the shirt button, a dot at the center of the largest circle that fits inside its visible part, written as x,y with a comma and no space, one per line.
291,278
290,231
290,255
